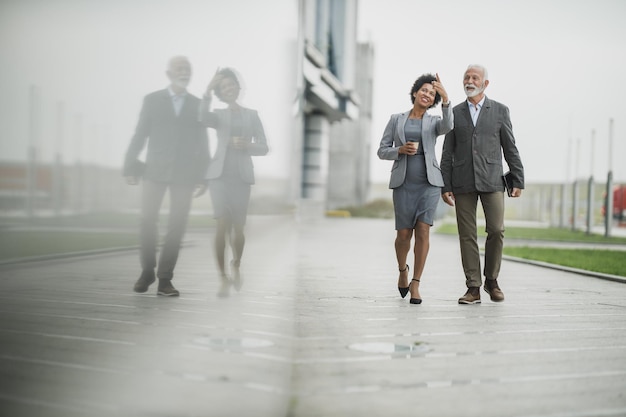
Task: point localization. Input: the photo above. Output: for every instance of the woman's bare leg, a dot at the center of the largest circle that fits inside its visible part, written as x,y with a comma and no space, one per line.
422,245
220,244
223,227
403,245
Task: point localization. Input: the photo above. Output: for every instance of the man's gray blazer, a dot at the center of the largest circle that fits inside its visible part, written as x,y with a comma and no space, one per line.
393,138
178,146
471,160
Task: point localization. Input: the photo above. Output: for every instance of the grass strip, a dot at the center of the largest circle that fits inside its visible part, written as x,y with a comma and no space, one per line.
25,243
604,261
540,233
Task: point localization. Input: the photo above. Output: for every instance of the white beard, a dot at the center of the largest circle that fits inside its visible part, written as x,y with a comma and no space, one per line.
474,92
181,83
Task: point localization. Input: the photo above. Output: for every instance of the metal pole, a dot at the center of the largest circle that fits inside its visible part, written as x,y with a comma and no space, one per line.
574,204
592,153
608,205
590,192
95,169
57,179
610,144
568,170
31,163
577,164
553,205
78,169
590,189
563,215
575,192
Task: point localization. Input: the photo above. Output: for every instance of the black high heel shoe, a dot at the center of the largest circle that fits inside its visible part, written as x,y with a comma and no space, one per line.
404,290
415,300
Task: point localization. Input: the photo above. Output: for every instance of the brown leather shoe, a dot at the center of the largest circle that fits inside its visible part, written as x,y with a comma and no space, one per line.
167,289
494,291
472,296
147,277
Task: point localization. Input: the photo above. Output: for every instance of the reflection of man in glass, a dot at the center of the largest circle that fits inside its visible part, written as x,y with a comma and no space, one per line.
176,160
240,135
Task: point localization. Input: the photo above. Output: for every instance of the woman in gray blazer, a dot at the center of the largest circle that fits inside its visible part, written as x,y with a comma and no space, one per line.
240,136
409,140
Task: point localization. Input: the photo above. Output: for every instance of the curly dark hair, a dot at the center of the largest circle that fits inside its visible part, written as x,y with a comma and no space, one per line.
227,73
424,79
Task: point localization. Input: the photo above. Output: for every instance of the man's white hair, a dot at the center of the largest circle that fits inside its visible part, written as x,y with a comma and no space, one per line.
479,68
175,59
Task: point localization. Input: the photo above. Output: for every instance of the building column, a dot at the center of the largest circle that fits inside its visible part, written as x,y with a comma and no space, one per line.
315,162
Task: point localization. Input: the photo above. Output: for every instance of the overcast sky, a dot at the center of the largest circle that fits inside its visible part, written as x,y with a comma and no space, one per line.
100,58
559,65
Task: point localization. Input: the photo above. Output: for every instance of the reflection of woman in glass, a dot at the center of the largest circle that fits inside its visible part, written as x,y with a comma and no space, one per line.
240,135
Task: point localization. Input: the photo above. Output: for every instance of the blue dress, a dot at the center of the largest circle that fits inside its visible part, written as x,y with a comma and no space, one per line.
416,199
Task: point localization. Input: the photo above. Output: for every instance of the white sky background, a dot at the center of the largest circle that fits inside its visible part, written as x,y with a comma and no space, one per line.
102,57
559,65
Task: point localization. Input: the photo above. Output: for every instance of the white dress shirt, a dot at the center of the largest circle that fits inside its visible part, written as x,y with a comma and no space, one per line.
177,100
475,110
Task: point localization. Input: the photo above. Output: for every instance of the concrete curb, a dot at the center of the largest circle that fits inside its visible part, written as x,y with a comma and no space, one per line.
54,256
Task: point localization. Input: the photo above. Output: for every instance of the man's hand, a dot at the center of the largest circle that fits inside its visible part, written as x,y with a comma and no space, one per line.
240,143
516,192
199,190
132,180
448,198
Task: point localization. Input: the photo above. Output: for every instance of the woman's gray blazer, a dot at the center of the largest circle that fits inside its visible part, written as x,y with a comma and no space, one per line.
393,138
252,129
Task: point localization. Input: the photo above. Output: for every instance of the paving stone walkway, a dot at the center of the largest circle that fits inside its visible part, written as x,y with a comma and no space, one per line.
318,329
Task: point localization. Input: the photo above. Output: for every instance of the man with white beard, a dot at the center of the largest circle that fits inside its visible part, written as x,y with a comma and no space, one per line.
177,157
471,164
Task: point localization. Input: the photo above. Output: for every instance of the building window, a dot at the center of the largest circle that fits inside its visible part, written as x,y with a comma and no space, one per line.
329,24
